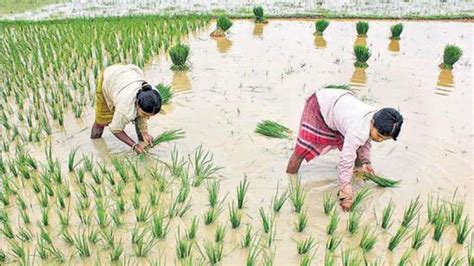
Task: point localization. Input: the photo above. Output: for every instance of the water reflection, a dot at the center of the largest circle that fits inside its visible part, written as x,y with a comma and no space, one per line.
394,46
320,42
180,81
445,82
359,78
223,44
361,41
258,29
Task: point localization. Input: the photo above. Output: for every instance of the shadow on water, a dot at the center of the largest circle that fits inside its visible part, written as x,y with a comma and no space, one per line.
445,84
361,41
359,78
394,46
181,81
258,29
223,44
320,42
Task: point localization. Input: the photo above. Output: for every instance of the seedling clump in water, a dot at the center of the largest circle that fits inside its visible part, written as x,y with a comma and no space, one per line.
451,55
362,54
396,31
259,17
362,28
273,129
223,24
179,56
321,26
165,93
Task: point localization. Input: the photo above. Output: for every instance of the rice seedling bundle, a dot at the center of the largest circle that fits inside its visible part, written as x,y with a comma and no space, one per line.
451,55
321,26
362,54
224,23
179,56
258,13
380,180
167,136
273,129
362,28
165,93
396,31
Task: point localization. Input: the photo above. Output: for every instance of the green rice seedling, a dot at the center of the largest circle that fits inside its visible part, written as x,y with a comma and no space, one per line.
25,217
97,177
24,234
84,217
333,242
418,237
224,23
18,250
431,259
297,196
57,254
329,259
119,188
405,259
93,236
119,166
470,253
396,31
101,215
304,246
4,218
462,230
4,199
159,229
321,25
192,230
211,215
79,174
81,245
451,259
455,212
359,198
83,203
258,13
45,235
116,218
220,233
183,193
411,211
134,168
241,192
397,238
41,249
213,193
153,197
248,237
179,56
307,259
165,93
109,176
387,215
88,163
98,191
142,215
252,255
268,258
328,203
279,200
183,247
66,236
301,221
3,256
212,252
203,166
273,129
136,202
353,222
21,202
381,181
177,165
116,253
362,28
137,188
362,54
368,240
271,235
439,225
351,258
234,215
451,55
71,158
333,222
267,220
44,216
143,247
107,235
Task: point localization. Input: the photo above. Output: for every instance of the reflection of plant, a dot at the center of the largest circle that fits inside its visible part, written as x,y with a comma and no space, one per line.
396,31
321,26
179,55
451,55
258,12
362,28
362,54
224,23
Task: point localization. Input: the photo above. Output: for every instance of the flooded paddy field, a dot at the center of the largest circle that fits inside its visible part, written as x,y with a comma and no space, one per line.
257,72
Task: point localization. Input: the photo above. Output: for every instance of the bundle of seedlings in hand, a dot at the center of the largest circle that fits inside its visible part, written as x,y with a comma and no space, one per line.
397,238
259,17
168,136
203,166
338,86
304,246
301,221
333,222
179,56
273,129
328,203
368,239
354,221
362,54
297,196
333,242
279,200
451,55
223,24
396,31
362,28
380,180
411,212
321,25
419,236
241,192
387,215
234,215
165,93
462,230
359,198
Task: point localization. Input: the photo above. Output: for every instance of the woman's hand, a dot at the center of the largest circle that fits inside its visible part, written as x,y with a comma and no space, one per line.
147,138
138,148
346,197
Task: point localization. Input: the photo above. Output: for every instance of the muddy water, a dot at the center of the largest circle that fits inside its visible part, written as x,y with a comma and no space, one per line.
267,72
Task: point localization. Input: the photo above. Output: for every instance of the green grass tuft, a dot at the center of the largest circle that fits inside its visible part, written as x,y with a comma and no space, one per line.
165,93
259,16
321,25
362,54
397,238
411,211
224,23
387,215
462,230
451,55
273,129
304,246
168,136
179,56
396,31
359,198
362,28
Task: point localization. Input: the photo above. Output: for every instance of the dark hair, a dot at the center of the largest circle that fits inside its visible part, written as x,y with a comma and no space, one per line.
388,122
149,99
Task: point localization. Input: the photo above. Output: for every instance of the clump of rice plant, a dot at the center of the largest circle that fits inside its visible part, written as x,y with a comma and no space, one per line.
81,245
213,193
387,215
241,192
362,54
258,12
248,237
321,25
307,259
418,237
297,196
168,136
279,200
143,247
234,215
396,31
362,28
273,129
328,203
223,24
266,220
354,221
397,238
183,247
159,229
431,259
462,230
304,246
411,211
211,215
220,233
359,197
333,242
212,252
165,93
116,253
203,166
368,240
455,212
451,55
381,181
252,256
301,221
179,56
351,258
333,222
439,226
405,259
451,259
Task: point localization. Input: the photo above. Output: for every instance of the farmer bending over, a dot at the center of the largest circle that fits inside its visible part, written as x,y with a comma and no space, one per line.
123,96
334,118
